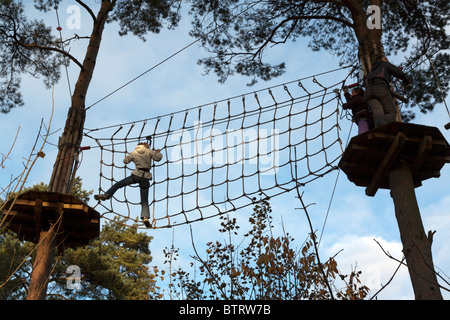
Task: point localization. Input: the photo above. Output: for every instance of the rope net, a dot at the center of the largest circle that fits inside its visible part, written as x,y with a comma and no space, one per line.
222,156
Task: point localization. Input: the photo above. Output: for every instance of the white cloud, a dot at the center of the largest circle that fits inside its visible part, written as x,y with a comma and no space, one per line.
365,254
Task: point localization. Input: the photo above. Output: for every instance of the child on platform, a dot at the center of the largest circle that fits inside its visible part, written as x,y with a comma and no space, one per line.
360,110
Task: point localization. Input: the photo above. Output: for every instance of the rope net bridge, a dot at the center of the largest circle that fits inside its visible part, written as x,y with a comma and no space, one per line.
223,156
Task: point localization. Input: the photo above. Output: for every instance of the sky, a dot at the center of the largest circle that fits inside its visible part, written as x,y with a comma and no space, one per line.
349,222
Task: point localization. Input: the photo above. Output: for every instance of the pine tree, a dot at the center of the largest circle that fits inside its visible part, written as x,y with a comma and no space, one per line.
239,34
30,47
113,266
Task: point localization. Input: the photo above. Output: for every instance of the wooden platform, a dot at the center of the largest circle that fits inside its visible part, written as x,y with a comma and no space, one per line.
34,211
369,156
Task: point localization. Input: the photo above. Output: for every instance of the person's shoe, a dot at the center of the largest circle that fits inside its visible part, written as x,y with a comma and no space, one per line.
101,197
146,222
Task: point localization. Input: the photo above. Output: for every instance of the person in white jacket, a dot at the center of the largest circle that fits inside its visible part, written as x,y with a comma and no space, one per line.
142,157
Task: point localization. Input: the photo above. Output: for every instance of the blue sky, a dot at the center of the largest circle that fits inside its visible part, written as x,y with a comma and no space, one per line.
353,221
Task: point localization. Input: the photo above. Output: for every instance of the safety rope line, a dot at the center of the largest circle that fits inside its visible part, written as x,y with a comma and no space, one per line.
172,114
59,29
169,57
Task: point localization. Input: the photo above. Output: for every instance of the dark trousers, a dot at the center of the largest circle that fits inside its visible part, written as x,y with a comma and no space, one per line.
381,103
144,185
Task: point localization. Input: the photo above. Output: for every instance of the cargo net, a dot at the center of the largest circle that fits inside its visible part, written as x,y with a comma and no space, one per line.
221,157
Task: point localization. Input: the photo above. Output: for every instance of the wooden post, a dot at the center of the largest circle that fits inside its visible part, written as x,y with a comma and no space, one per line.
416,244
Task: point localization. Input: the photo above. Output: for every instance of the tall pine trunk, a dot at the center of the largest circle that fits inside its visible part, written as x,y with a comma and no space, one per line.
416,244
63,169
369,40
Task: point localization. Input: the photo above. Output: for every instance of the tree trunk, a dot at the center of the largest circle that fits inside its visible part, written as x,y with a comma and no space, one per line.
42,265
369,40
69,144
416,245
73,132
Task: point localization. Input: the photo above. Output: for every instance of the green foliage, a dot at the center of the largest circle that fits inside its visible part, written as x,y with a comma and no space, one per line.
143,16
19,38
113,266
30,47
139,17
266,268
77,190
15,264
248,29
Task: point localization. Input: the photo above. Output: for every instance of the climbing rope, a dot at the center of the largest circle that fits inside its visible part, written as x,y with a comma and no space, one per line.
221,157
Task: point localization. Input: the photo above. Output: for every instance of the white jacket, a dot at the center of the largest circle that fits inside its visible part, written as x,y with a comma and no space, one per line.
142,158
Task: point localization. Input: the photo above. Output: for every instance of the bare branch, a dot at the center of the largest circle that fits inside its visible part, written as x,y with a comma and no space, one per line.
312,232
29,165
5,157
213,278
402,263
393,275
85,6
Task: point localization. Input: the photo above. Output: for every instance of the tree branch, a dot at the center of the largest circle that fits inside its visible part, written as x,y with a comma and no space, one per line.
213,278
313,236
393,275
327,17
85,6
75,37
296,19
64,53
402,263
338,2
